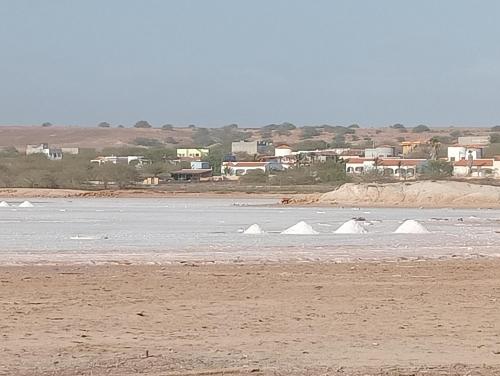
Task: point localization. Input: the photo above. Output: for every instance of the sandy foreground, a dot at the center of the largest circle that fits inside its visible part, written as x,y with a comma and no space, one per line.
387,318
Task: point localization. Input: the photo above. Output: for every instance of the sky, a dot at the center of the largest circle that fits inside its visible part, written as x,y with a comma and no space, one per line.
253,62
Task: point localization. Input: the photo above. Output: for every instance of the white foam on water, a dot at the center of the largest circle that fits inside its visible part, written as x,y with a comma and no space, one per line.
4,204
411,226
351,227
26,204
254,229
301,228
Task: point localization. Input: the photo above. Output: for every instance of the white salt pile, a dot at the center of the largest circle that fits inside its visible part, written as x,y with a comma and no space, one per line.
411,227
26,204
351,227
4,204
301,228
254,230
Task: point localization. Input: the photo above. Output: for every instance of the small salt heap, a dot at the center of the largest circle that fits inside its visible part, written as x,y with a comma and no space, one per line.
411,227
351,227
4,204
26,204
254,229
301,228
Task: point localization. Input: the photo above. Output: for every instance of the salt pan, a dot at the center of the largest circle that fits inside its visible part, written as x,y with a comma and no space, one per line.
301,228
351,227
26,204
411,227
254,230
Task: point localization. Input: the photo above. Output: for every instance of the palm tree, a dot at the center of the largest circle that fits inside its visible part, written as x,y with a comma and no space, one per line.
435,146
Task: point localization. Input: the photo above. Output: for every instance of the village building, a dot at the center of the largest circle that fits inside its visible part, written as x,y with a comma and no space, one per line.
52,153
397,167
282,151
242,168
407,168
457,153
478,168
474,140
192,152
192,175
251,147
380,152
200,165
136,160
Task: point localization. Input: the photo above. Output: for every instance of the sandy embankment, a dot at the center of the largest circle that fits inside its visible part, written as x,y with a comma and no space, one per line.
426,194
408,318
120,193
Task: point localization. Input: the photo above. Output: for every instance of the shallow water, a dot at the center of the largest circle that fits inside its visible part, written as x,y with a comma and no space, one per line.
210,229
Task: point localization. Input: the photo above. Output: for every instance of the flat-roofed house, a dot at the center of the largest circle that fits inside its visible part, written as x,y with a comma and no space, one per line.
192,152
479,168
242,168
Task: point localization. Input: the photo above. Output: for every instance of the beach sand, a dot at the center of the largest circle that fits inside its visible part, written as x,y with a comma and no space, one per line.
387,318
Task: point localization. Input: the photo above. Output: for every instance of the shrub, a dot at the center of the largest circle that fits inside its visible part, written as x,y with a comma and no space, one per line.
254,177
104,124
437,169
309,132
311,145
495,138
421,128
142,124
167,127
397,126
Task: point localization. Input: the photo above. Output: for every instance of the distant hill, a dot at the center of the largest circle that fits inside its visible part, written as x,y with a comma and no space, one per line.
99,138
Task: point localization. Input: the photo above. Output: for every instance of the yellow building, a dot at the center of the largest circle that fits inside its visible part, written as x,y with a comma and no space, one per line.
192,153
409,146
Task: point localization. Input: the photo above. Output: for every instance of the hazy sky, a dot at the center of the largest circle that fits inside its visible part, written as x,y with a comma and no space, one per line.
250,62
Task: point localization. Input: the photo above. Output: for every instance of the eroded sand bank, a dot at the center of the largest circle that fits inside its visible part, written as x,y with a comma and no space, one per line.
425,194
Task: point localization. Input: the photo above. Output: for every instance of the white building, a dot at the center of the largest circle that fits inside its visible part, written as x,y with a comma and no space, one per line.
457,153
282,151
136,160
380,152
51,153
358,165
241,168
474,140
479,168
389,167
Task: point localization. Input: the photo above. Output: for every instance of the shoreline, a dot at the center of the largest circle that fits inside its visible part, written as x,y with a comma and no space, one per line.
298,319
61,259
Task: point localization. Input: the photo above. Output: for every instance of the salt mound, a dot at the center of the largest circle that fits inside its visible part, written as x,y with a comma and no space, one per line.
26,204
4,204
411,227
351,227
301,228
254,230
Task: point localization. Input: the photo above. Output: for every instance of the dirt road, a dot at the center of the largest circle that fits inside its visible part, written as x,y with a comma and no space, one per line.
406,318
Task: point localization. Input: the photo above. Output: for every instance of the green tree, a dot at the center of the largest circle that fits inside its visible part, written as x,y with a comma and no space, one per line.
142,124
421,128
495,138
437,169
